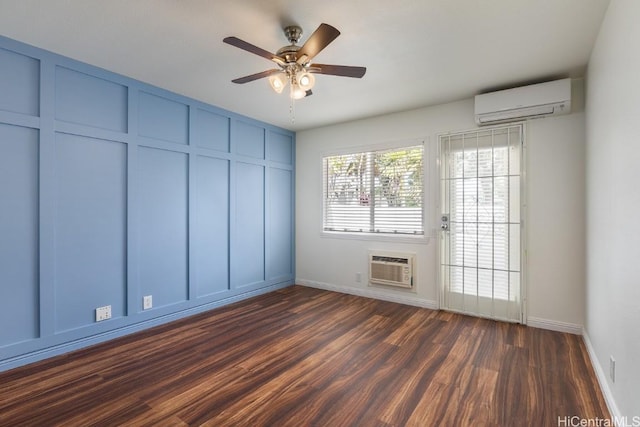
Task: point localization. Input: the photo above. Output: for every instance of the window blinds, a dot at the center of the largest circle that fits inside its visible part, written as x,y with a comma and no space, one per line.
375,191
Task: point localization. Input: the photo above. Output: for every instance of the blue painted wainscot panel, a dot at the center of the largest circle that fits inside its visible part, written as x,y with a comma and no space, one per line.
212,131
280,148
112,189
20,83
90,101
248,251
162,118
280,230
163,225
250,140
19,307
212,222
90,229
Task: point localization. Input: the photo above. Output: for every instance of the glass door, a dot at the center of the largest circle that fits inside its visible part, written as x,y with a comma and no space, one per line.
480,239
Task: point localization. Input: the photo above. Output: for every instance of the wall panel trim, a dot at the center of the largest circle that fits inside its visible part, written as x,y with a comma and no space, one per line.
170,124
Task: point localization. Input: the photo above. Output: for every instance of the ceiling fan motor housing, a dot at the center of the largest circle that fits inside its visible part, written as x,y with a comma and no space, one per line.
293,33
289,53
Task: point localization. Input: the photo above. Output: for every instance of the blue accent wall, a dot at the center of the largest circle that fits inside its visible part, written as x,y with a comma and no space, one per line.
112,189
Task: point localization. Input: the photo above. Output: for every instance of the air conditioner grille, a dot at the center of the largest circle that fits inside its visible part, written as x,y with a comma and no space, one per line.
391,270
392,273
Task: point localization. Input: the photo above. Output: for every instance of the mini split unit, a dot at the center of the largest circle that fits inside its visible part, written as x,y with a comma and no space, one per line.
526,102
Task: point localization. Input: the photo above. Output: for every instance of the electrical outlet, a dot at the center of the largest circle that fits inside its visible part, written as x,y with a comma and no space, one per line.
147,302
612,368
103,313
358,277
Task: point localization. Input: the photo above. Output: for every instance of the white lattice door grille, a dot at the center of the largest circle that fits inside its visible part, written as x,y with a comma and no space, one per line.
481,237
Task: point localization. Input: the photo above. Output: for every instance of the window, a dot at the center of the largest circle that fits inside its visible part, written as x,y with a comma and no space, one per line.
375,191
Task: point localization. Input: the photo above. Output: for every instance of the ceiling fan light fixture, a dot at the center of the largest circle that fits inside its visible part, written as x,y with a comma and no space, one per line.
278,81
297,92
295,67
306,81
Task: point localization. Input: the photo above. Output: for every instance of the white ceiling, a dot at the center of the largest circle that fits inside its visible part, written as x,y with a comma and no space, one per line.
417,52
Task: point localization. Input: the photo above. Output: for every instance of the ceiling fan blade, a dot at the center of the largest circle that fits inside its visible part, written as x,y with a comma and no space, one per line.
256,76
338,70
234,41
320,39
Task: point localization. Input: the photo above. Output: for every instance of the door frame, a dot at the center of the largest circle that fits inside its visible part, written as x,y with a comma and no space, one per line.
524,223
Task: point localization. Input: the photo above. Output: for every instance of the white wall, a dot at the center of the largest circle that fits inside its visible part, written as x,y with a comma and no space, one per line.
556,210
331,262
613,201
556,222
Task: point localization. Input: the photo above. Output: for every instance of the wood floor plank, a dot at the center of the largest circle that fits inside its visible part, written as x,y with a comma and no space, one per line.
306,357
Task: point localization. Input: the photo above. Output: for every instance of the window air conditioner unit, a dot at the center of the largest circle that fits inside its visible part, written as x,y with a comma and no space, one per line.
526,102
391,269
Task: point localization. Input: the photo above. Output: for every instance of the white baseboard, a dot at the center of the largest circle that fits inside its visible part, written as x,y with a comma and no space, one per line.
554,325
602,378
371,293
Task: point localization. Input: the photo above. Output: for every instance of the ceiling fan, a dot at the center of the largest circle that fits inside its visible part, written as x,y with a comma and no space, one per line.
294,62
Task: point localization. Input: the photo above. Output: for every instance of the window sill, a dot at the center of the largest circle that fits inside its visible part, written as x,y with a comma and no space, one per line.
377,237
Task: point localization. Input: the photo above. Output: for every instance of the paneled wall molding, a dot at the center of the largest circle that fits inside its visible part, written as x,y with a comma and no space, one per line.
113,190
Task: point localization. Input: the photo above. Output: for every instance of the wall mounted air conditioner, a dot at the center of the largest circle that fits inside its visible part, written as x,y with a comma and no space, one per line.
391,269
526,102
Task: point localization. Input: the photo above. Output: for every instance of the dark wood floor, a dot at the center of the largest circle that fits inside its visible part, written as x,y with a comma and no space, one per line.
305,357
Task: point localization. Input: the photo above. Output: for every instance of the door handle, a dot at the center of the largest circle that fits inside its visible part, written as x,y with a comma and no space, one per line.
444,222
